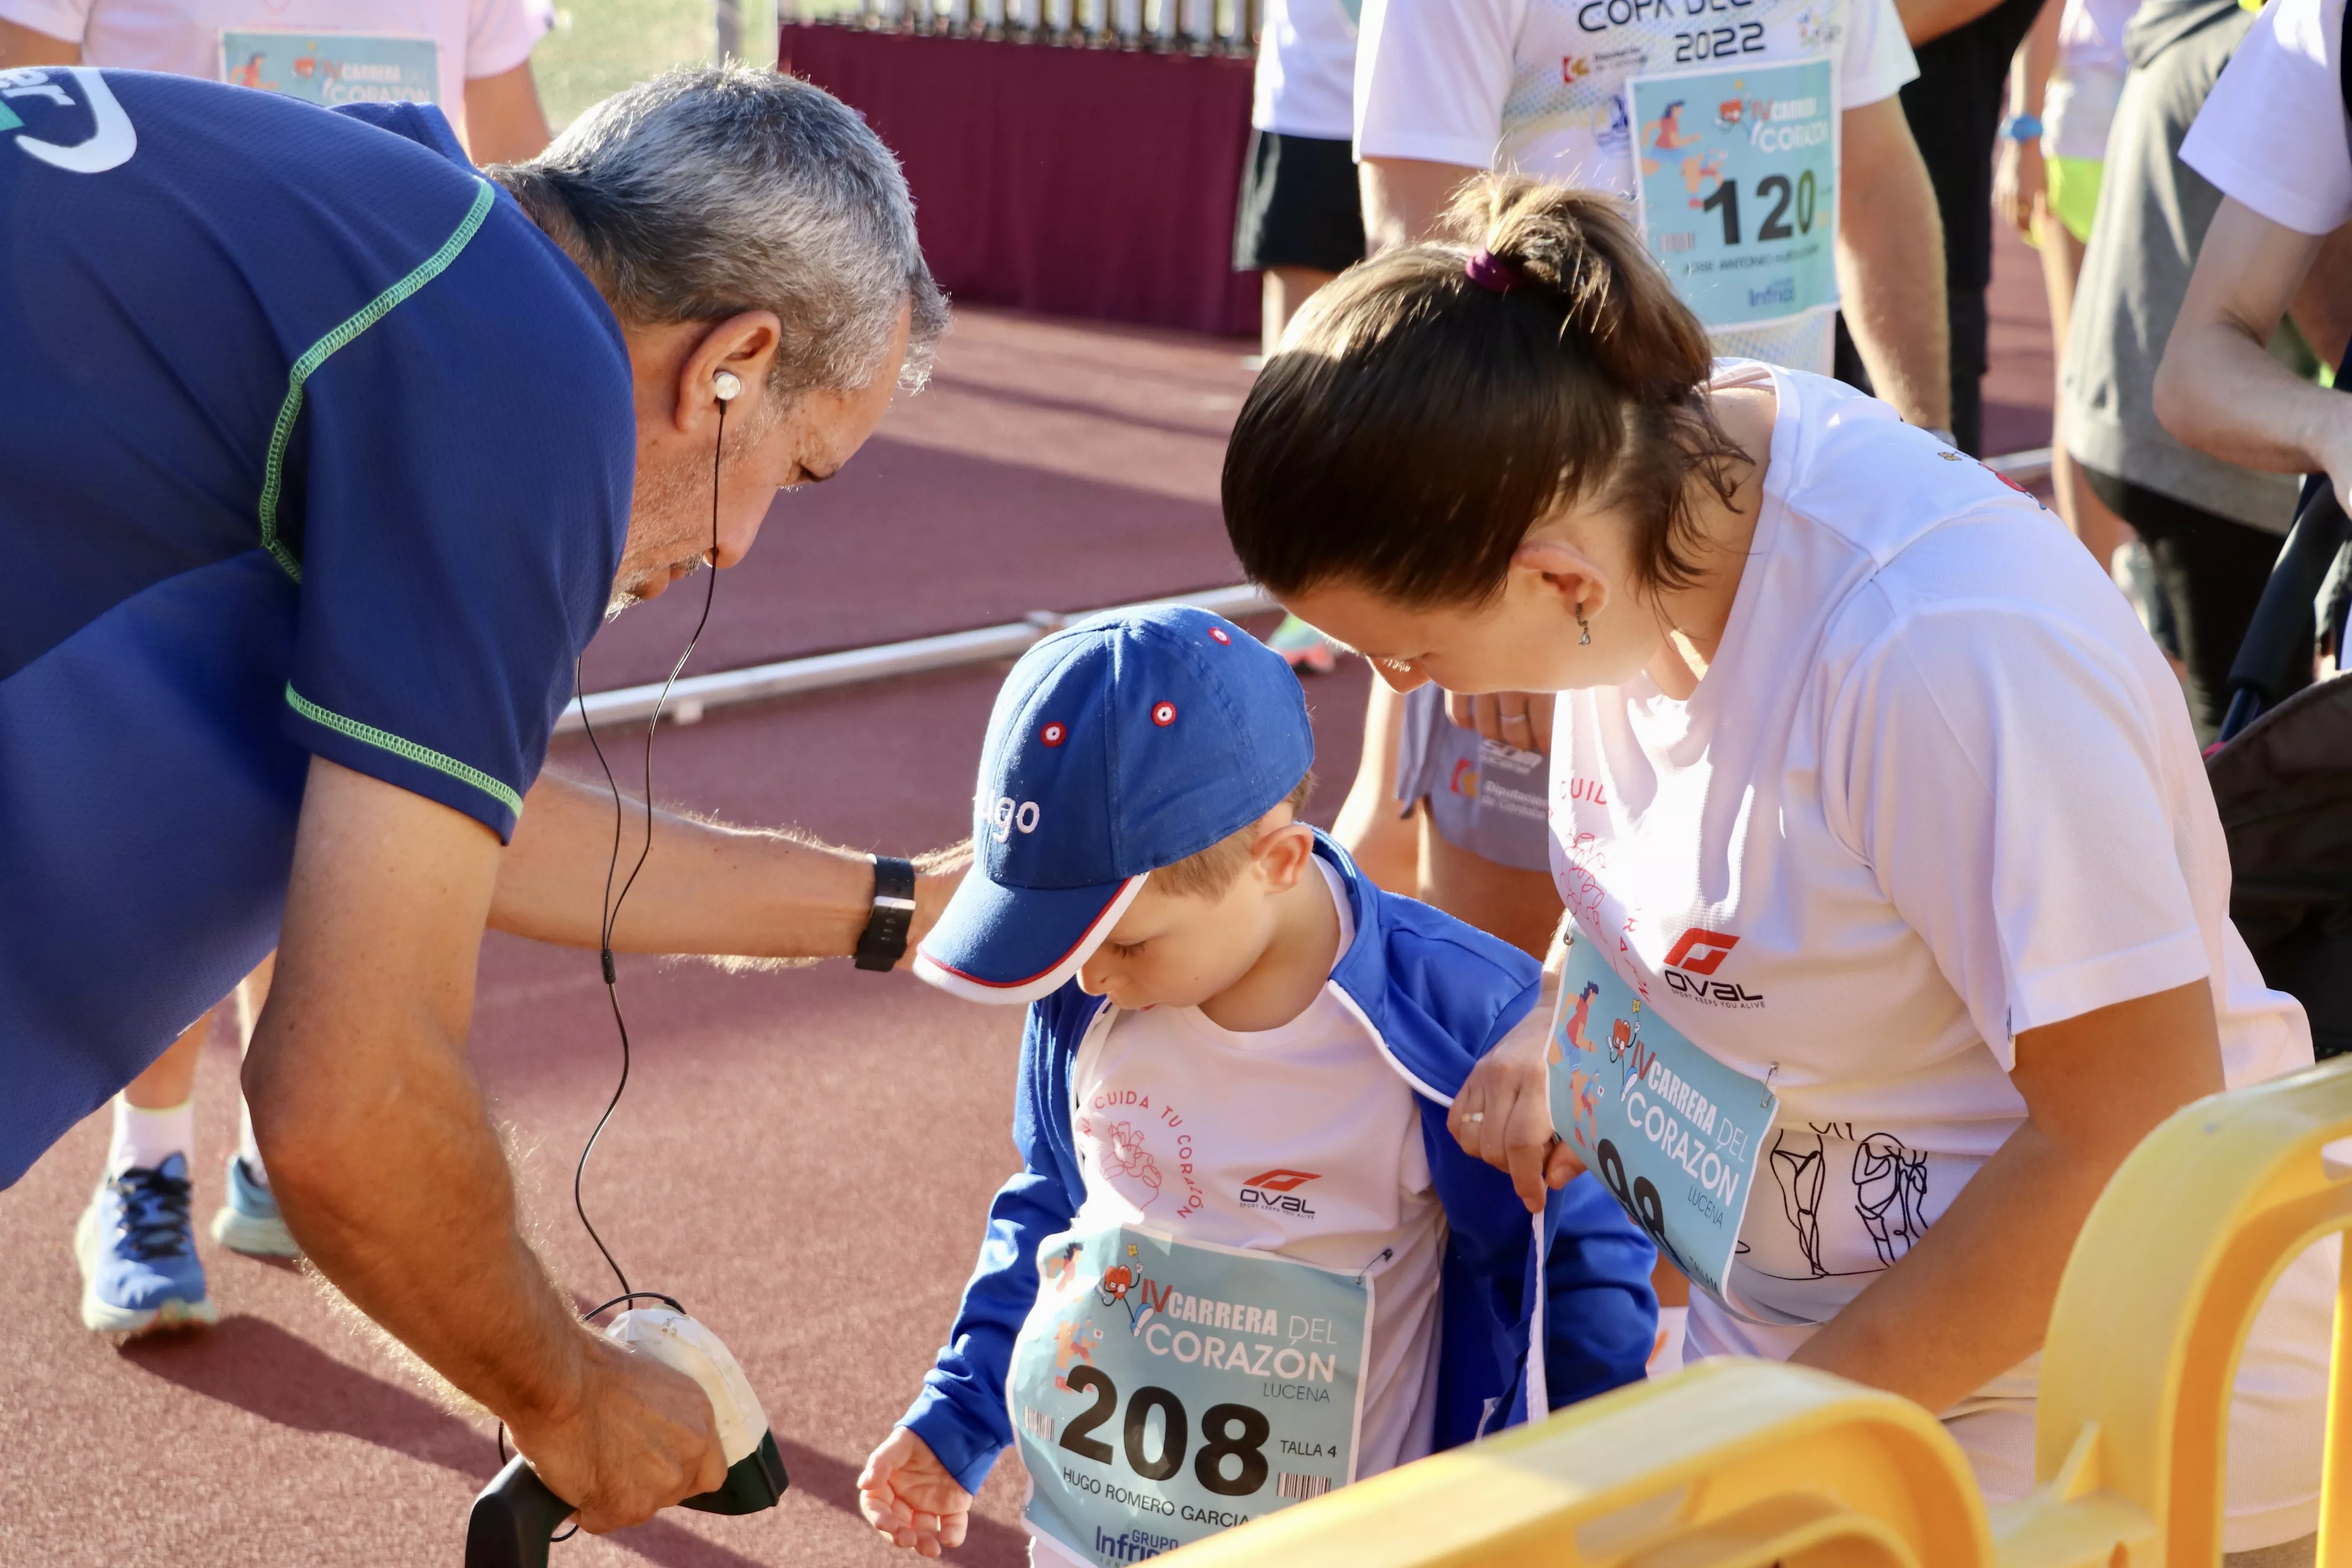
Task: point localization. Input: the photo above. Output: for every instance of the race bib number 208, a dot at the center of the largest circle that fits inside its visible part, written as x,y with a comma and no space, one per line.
1162,1391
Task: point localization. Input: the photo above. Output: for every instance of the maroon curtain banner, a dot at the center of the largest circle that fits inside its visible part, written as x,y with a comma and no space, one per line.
1068,181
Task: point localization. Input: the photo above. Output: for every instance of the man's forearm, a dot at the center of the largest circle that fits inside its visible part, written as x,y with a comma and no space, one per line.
358,1059
1404,197
2217,389
1890,264
2221,391
704,888
436,1257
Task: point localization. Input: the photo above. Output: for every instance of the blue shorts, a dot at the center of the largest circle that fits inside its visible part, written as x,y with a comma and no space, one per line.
1483,796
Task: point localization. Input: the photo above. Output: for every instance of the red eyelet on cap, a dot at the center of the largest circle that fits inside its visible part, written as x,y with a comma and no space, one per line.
1219,634
1055,734
1163,714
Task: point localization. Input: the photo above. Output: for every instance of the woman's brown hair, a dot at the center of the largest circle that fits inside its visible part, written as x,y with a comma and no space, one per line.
1419,421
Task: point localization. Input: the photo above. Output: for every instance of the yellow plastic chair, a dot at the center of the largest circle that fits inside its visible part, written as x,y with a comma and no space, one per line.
1736,1464
1730,1464
2151,1315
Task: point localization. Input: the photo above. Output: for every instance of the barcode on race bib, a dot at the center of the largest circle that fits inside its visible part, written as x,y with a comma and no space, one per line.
1038,1424
1297,1489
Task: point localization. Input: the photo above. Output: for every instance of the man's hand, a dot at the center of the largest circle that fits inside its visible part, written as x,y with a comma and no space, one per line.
641,1437
909,1499
1519,719
1503,1114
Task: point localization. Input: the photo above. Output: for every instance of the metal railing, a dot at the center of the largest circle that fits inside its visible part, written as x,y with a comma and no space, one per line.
1193,27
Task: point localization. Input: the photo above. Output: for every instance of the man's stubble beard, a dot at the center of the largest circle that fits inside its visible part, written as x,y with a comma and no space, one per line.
668,499
678,499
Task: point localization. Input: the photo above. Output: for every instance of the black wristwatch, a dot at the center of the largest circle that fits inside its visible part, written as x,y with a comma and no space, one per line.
884,941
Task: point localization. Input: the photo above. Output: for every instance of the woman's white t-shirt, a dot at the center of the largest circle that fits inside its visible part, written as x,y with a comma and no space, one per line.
1174,1118
1306,69
184,37
2087,80
1938,788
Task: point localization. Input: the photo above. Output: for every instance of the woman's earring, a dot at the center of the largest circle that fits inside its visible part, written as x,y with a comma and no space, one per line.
1583,626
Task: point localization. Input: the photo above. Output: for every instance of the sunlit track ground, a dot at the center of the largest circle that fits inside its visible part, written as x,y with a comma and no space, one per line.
804,1157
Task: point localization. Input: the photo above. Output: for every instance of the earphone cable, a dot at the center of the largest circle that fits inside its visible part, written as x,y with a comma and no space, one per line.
612,906
610,913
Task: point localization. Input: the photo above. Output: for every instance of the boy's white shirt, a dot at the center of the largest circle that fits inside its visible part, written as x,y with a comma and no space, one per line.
1173,1116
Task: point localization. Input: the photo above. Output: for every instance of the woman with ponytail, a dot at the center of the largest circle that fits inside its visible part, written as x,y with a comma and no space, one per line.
1894,886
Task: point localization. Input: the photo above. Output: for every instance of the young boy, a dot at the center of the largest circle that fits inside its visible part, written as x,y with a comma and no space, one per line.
1243,1261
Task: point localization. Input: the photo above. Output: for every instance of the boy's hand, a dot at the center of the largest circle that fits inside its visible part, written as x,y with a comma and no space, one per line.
907,1496
1503,1114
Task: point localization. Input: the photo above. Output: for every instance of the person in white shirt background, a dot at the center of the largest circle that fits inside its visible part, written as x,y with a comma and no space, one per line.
2273,138
2067,80
1300,223
471,58
1848,728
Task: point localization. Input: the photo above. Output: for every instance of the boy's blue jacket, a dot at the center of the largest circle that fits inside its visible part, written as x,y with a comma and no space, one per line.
1438,995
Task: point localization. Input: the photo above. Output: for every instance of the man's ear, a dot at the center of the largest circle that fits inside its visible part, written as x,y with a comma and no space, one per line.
744,346
1551,565
1281,854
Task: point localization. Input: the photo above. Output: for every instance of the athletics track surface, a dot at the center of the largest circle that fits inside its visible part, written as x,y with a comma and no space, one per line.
804,1157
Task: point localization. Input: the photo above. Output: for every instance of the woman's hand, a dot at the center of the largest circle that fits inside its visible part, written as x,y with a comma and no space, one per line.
2021,184
1520,720
909,1499
1503,1114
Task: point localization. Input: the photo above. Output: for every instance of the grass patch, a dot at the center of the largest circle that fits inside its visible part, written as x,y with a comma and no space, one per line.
600,46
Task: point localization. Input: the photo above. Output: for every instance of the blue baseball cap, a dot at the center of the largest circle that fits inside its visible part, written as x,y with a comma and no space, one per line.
1119,745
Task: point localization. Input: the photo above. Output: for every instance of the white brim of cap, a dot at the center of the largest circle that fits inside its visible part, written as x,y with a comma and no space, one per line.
971,988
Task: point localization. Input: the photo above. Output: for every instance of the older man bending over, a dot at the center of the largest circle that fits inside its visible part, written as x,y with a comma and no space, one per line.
325,457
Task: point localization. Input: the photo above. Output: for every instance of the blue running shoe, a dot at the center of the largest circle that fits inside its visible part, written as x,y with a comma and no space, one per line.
137,1249
249,1222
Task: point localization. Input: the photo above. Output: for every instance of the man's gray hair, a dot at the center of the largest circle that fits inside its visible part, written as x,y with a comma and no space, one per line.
715,190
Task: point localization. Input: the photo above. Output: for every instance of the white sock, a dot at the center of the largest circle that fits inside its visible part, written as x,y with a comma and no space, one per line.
248,1150
147,1138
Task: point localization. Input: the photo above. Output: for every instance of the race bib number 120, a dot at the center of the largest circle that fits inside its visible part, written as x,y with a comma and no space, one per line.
1737,173
1162,1391
1674,1135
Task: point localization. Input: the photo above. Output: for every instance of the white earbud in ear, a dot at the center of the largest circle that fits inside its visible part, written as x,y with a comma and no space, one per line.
725,386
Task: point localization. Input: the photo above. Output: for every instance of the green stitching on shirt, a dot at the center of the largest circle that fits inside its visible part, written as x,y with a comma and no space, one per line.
421,756
375,310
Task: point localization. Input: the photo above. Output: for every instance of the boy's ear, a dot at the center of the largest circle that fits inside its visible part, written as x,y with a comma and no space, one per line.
1281,854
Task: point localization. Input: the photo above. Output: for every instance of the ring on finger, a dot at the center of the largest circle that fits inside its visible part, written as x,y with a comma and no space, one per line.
1478,1116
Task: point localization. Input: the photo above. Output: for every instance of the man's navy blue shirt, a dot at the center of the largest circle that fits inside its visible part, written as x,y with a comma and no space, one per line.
310,443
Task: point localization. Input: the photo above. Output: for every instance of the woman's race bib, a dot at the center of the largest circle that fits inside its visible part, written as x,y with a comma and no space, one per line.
1674,1135
1736,169
1162,1390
